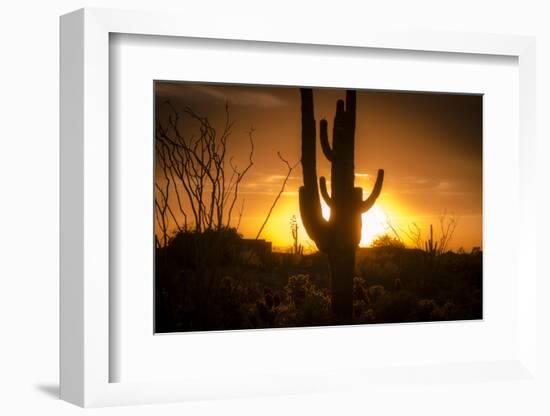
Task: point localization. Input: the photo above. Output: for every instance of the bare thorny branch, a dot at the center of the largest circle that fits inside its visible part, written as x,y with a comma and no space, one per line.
413,233
191,168
239,175
290,168
198,183
447,226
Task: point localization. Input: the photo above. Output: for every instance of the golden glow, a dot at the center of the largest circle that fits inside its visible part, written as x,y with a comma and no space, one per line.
374,224
325,210
428,144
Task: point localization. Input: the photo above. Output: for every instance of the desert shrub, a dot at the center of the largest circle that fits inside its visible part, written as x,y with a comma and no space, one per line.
268,309
396,306
397,285
297,288
376,292
362,312
424,309
360,292
444,312
212,247
430,310
208,281
306,303
387,240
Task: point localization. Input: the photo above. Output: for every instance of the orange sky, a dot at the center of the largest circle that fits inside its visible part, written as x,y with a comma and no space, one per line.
430,146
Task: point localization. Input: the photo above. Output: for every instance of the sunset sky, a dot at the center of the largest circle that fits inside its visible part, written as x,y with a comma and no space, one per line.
430,146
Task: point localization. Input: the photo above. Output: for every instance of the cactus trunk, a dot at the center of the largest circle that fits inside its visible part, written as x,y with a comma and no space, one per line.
342,270
339,236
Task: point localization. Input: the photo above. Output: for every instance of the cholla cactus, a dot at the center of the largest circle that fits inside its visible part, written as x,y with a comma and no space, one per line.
340,235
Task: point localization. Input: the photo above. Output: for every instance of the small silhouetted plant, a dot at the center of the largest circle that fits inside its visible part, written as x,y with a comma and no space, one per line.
429,245
397,285
297,248
447,225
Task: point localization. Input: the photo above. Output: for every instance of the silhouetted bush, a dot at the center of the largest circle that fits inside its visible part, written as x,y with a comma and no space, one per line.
206,282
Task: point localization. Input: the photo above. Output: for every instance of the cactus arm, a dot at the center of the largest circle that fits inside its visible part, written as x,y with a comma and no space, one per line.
369,202
312,218
310,204
325,145
309,159
324,191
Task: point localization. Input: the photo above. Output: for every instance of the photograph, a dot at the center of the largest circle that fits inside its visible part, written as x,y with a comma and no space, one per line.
304,206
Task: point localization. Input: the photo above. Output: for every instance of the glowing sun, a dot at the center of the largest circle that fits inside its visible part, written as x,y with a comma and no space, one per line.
373,223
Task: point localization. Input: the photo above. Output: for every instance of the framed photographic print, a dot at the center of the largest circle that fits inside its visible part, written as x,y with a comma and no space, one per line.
277,214
248,235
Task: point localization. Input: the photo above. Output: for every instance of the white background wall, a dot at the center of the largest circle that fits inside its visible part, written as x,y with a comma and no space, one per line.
29,199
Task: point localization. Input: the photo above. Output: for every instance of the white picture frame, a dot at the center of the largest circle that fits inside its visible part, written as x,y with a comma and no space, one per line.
85,355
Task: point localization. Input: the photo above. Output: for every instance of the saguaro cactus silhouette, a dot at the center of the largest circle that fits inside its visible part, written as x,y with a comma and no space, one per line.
340,235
